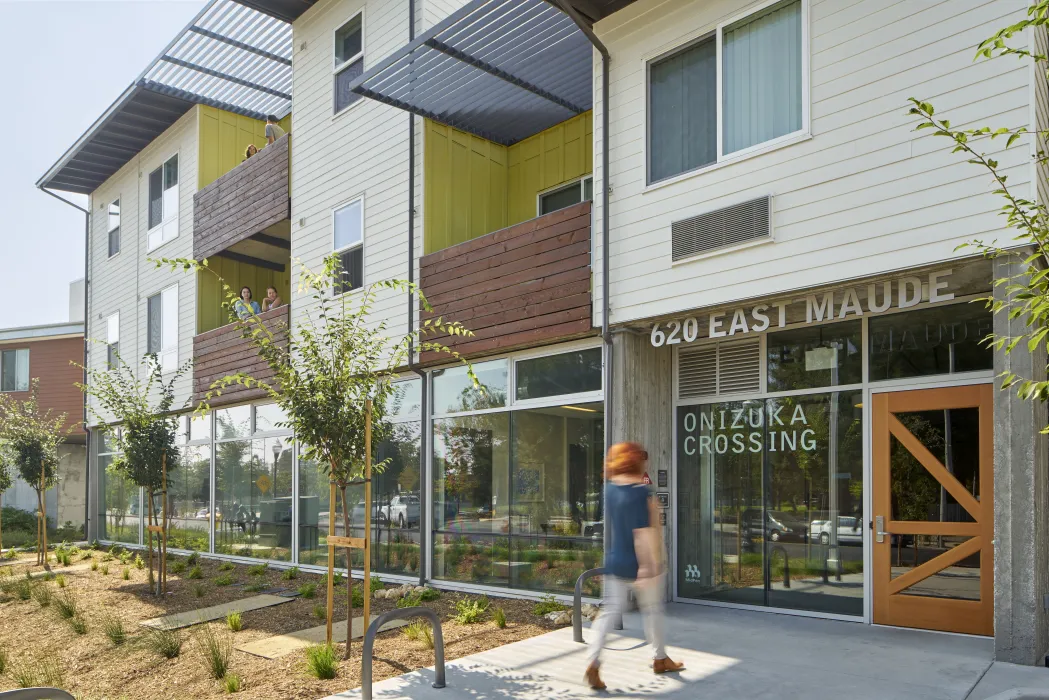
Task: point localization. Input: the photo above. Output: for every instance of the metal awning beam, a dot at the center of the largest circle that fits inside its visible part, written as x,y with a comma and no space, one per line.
225,76
361,90
271,240
239,44
251,260
466,58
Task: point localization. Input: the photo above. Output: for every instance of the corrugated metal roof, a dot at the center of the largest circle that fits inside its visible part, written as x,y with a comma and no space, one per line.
230,56
501,69
291,10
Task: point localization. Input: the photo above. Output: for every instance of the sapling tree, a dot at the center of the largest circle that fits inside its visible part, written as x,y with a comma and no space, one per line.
144,412
6,463
333,374
30,437
1024,294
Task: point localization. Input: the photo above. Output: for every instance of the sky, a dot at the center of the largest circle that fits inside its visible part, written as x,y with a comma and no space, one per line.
62,63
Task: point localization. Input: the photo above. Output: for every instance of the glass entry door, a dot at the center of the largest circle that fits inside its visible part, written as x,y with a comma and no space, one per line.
933,509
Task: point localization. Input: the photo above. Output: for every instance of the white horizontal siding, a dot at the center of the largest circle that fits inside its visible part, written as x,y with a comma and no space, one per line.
124,283
866,194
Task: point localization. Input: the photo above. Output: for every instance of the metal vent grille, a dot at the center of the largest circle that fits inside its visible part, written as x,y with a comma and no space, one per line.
739,223
718,369
697,372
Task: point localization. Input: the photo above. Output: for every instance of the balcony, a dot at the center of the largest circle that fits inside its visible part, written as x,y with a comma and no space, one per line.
521,286
225,350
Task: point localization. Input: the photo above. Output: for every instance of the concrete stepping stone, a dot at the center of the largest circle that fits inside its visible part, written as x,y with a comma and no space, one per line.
72,569
284,644
215,612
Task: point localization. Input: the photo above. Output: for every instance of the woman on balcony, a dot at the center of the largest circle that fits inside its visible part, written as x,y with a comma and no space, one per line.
272,299
245,307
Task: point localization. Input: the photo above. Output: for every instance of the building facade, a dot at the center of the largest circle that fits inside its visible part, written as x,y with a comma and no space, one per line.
712,222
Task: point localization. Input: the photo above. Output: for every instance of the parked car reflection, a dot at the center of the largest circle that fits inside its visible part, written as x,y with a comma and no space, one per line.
850,530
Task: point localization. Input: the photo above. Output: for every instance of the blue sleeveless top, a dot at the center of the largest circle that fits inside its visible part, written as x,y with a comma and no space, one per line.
626,510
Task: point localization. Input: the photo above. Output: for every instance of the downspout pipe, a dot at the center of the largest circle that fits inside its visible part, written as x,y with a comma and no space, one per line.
423,481
87,296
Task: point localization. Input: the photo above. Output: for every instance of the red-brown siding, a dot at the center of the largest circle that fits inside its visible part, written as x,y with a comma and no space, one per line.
522,286
50,362
225,351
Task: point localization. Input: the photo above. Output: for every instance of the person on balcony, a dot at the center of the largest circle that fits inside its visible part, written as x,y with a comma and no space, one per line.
272,299
273,130
246,307
251,150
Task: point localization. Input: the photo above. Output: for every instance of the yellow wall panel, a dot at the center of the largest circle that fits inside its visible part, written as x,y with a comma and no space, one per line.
210,295
223,138
474,186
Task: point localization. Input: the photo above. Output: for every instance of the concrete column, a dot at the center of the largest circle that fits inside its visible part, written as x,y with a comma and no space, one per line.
1021,501
643,408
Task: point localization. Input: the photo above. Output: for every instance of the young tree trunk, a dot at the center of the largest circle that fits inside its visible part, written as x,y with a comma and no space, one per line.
1,528
349,573
150,521
39,538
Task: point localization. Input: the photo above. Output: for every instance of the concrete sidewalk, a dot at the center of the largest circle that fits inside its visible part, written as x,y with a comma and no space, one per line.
733,654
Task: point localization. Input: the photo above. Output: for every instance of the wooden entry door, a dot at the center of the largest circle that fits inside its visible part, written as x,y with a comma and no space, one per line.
933,509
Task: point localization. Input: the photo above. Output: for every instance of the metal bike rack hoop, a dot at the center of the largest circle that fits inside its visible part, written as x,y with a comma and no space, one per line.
577,604
369,644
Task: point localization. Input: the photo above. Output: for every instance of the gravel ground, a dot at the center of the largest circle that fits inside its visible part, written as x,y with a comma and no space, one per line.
93,668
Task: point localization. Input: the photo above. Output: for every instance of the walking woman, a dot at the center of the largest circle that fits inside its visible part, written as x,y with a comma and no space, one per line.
634,558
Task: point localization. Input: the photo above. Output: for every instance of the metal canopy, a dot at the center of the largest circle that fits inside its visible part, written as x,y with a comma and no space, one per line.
230,56
500,69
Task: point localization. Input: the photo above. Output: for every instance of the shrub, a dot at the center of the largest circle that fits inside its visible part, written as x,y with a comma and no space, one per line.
500,618
78,624
258,569
290,574
193,559
61,580
419,631
308,590
377,584
107,557
322,661
178,568
227,566
427,638
215,651
67,605
257,587
199,590
336,580
139,564
468,611
414,599
127,574
42,595
166,643
105,569
48,575
224,580
94,565
319,612
11,554
36,673
235,622
113,626
231,683
196,572
125,557
3,662
63,557
547,604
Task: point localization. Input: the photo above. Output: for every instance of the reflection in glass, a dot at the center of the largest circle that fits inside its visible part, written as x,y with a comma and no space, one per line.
121,513
960,581
189,494
199,427
268,418
233,422
471,462
313,513
553,375
937,340
472,557
770,496
406,400
454,392
253,494
815,356
552,565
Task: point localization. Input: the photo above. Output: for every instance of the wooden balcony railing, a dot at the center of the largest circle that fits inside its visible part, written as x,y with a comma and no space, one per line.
243,202
225,351
525,285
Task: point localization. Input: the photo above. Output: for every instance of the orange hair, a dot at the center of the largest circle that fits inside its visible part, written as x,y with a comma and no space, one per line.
625,458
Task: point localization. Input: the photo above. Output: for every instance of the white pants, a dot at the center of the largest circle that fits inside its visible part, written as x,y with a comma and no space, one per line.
649,599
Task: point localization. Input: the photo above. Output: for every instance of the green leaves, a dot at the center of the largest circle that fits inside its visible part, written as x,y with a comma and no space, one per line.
29,440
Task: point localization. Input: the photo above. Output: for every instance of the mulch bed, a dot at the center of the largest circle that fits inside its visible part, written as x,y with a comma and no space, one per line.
93,668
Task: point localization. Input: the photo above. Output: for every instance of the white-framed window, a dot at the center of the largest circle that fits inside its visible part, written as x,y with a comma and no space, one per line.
163,204
348,241
735,90
563,196
348,62
113,340
114,227
162,327
14,370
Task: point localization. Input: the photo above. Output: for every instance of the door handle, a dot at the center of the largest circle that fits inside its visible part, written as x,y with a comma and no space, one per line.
879,529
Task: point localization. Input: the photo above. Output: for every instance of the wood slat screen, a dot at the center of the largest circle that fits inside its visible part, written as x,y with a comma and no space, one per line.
226,351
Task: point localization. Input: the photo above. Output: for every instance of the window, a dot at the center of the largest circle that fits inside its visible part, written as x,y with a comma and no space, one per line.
697,117
14,370
937,340
113,340
349,61
578,191
454,392
163,203
114,228
555,375
815,356
348,225
162,327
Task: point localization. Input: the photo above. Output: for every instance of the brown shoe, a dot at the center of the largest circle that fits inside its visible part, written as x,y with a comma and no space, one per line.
593,677
666,665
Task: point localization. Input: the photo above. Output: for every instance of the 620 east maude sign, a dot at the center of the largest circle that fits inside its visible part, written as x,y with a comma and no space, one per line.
901,293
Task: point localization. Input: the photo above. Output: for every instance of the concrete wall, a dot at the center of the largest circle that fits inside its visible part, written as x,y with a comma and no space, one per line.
66,502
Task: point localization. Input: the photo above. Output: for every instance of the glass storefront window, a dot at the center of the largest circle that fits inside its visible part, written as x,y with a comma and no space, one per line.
253,498
761,484
937,340
454,392
199,428
121,512
406,400
554,375
233,422
189,495
815,356
268,418
471,464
